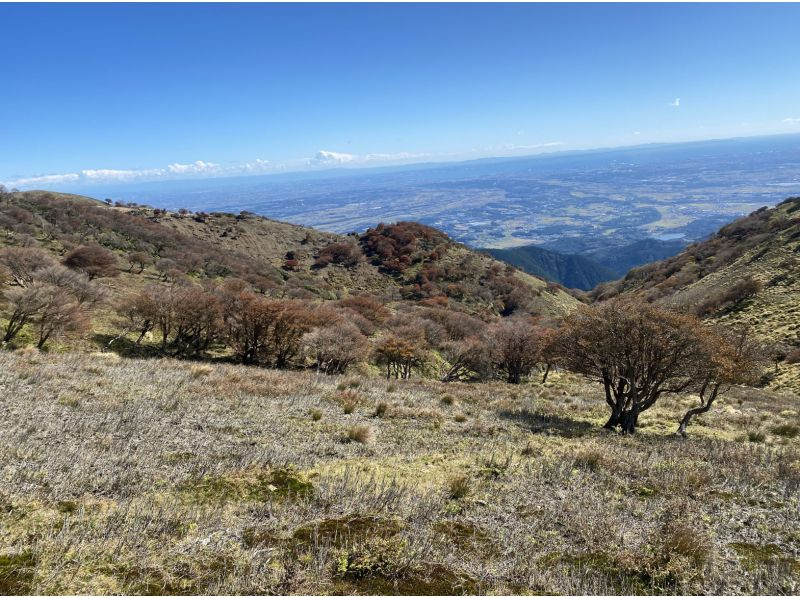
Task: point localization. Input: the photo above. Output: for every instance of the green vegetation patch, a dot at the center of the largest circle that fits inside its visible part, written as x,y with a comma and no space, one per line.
17,573
465,535
754,556
347,530
284,483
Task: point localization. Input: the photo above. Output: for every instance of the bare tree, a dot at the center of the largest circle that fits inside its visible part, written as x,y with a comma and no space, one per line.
137,314
515,347
469,359
60,314
398,354
335,348
56,301
23,305
21,263
139,258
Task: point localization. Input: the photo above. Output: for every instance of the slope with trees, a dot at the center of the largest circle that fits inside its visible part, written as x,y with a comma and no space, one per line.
746,275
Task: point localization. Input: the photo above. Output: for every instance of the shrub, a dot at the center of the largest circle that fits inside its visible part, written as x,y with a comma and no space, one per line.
591,459
362,433
380,409
686,540
786,430
336,347
92,260
342,253
316,414
368,307
756,436
459,487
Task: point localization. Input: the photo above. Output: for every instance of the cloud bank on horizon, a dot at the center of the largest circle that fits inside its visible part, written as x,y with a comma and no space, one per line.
323,159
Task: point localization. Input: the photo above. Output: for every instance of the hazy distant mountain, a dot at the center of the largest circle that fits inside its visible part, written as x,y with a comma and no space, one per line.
572,271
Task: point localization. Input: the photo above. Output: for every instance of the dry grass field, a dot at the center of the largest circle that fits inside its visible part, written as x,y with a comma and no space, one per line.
170,477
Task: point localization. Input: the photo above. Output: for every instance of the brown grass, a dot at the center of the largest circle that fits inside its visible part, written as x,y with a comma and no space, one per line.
136,477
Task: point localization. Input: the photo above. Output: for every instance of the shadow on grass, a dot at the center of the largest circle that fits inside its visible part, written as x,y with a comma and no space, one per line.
125,347
553,425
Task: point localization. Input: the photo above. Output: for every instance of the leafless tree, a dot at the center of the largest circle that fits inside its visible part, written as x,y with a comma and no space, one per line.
21,263
335,348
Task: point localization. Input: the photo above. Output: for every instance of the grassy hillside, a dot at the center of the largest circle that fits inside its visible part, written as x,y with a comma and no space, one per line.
410,269
274,256
748,274
572,271
167,477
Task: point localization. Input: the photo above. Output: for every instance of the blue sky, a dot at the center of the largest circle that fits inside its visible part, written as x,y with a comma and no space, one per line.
119,92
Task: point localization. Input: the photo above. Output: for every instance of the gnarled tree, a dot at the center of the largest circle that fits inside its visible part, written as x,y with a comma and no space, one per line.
638,351
336,347
515,347
92,260
21,263
730,358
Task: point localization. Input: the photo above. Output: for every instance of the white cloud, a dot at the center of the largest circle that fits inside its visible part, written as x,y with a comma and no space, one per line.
198,167
329,158
393,157
325,157
514,147
48,179
105,174
637,132
791,121
676,103
259,165
202,168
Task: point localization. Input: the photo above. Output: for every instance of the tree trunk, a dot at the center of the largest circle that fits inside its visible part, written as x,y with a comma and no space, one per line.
704,406
546,371
613,420
628,420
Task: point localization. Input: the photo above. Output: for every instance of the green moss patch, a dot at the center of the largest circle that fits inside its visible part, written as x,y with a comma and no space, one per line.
16,573
347,530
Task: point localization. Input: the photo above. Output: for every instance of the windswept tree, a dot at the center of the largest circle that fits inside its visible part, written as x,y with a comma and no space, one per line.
140,259
290,320
398,354
515,347
265,330
468,359
246,318
730,358
54,302
137,314
187,317
92,260
22,306
638,351
60,314
336,347
21,263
